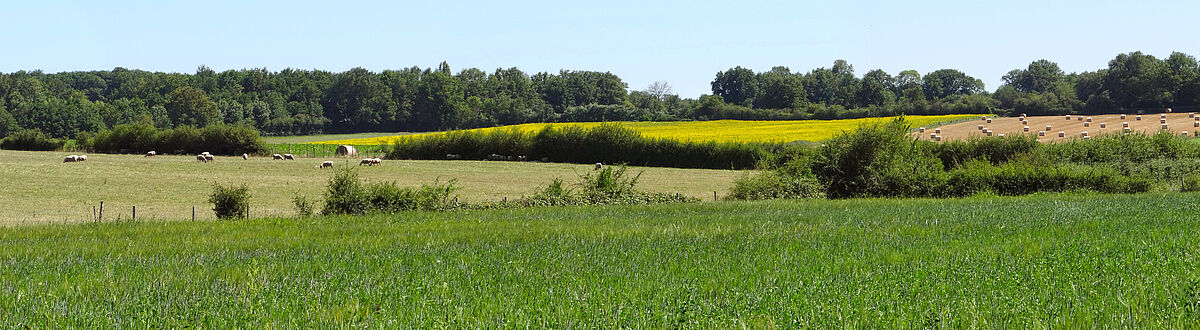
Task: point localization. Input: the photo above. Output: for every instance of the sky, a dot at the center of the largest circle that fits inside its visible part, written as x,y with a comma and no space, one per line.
684,43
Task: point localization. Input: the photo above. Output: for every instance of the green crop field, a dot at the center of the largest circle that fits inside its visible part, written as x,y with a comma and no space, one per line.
39,187
293,139
1045,261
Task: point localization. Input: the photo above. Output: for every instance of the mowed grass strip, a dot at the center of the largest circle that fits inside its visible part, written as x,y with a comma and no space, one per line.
744,131
1038,261
39,187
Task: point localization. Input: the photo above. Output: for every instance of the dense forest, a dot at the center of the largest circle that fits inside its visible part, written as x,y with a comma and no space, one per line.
415,99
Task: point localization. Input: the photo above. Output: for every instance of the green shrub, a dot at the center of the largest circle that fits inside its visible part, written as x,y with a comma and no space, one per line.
345,194
607,143
230,202
217,139
609,185
878,160
30,139
304,207
1191,183
773,185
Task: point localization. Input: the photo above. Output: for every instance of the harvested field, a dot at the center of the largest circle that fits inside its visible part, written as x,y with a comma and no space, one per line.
1072,129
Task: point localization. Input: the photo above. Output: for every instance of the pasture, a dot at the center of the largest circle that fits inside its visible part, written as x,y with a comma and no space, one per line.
744,131
39,187
1047,261
1071,128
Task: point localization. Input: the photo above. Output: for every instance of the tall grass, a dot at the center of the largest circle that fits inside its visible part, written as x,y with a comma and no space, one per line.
1055,261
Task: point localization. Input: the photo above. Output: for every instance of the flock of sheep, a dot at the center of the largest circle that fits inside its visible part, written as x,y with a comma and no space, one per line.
205,157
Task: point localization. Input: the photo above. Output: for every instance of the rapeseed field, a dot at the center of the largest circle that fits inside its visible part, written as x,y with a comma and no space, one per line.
746,131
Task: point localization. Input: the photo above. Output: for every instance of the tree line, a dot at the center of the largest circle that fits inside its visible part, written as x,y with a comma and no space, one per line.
415,99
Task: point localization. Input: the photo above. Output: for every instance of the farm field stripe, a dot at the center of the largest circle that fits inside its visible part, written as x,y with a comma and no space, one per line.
748,131
1061,261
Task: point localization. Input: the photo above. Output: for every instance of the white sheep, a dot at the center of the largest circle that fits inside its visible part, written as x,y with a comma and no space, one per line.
71,159
288,157
326,164
276,157
598,166
366,161
151,153
201,158
246,156
82,158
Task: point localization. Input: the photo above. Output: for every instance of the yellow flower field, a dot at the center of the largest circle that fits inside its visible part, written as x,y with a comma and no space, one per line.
715,130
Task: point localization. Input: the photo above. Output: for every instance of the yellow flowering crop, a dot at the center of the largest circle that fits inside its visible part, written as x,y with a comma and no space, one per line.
715,130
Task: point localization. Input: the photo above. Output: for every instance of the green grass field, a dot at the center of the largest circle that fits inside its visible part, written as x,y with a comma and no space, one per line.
38,187
326,137
1059,261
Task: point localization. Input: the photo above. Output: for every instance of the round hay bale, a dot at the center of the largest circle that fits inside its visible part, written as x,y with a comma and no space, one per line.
346,151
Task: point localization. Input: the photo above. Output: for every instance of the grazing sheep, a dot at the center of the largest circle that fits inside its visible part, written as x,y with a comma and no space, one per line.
1088,119
201,158
151,153
932,135
921,129
288,157
1041,133
598,166
938,138
1164,126
377,161
1062,134
522,158
1139,117
1087,124
71,159
989,120
276,157
326,164
1125,124
1122,116
246,156
979,127
982,117
1068,117
937,130
1103,125
208,157
1168,110
366,161
1026,129
82,158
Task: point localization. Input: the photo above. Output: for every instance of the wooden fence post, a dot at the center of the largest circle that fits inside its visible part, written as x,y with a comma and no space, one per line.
134,213
193,213
101,218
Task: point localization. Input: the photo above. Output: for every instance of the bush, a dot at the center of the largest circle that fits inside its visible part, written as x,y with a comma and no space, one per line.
609,185
607,143
138,138
304,207
878,160
230,202
31,140
1191,183
347,195
773,185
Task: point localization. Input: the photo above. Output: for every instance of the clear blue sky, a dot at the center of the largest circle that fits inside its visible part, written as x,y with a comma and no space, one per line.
682,42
